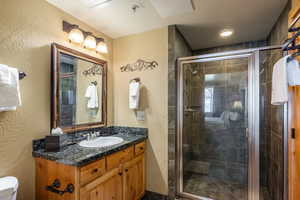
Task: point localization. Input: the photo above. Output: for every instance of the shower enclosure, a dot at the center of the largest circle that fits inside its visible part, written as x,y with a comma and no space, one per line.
223,140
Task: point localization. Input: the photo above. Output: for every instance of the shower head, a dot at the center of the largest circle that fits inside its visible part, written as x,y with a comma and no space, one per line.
194,70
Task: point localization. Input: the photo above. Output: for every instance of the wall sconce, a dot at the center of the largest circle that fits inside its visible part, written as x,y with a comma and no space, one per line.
87,39
90,41
101,46
76,35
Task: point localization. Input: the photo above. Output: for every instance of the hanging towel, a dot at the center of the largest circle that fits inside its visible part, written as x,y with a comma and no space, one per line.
285,73
92,95
134,95
293,72
10,96
5,75
279,82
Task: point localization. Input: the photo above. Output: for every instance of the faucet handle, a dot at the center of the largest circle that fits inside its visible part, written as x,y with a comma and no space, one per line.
89,137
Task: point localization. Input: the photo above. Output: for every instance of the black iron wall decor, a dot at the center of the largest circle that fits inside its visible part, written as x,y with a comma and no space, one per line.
95,70
139,65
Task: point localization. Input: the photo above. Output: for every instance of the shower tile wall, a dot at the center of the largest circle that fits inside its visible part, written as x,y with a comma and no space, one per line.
272,119
271,132
178,47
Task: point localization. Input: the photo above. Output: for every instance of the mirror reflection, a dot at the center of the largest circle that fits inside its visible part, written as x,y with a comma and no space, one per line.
80,91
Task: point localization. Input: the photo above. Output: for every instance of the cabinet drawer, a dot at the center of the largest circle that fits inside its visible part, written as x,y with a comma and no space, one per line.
92,171
139,148
120,157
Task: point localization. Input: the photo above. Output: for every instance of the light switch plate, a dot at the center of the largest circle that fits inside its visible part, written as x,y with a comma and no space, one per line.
140,115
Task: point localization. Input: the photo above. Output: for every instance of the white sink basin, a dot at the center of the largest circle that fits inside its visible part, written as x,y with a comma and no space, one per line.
101,142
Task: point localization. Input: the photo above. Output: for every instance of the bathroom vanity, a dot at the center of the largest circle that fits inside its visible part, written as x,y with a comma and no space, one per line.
80,173
116,176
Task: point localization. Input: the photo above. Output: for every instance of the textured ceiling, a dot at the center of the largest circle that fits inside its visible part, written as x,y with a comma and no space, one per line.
251,20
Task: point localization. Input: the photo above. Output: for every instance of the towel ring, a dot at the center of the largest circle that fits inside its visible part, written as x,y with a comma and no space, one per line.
135,79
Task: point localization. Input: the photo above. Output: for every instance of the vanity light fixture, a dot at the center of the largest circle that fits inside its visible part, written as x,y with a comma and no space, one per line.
226,33
86,39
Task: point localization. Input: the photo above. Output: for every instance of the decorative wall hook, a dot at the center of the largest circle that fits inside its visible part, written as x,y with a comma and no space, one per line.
139,65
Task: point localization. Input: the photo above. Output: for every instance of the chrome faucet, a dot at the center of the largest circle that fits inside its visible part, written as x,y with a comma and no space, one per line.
91,136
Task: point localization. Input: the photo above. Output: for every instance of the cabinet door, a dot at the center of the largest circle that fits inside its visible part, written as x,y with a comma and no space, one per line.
108,187
134,179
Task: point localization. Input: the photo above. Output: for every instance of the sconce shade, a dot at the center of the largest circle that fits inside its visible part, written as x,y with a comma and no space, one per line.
237,105
102,47
76,35
90,42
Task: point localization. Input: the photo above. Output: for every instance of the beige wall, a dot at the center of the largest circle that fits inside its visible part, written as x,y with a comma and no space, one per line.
152,45
27,28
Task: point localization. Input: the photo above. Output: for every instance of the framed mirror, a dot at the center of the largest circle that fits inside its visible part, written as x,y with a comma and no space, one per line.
79,84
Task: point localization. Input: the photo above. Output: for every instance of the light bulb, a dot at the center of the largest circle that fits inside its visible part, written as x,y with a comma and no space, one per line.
76,35
102,47
90,42
226,33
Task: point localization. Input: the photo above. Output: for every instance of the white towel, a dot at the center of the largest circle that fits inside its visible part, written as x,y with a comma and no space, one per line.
10,96
5,75
134,95
279,82
92,95
285,73
293,72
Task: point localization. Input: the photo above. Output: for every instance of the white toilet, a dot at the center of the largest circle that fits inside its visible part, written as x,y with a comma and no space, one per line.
8,188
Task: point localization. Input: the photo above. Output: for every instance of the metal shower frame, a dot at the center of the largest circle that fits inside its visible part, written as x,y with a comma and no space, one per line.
253,119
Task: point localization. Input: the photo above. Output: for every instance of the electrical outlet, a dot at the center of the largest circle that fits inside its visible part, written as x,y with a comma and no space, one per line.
140,115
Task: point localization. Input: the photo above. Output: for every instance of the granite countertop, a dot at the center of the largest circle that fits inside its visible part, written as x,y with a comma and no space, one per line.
76,155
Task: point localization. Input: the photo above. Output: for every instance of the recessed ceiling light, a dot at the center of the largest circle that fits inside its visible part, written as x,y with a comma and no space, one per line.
226,33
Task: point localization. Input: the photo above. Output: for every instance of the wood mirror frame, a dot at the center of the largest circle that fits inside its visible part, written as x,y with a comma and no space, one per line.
56,50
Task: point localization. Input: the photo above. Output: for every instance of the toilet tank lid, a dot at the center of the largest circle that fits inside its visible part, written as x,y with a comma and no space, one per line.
8,183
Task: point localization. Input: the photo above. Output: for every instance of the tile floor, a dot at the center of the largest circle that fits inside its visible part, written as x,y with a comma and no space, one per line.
212,188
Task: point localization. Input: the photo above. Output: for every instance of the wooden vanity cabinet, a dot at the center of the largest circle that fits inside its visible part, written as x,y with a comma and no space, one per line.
134,179
108,187
119,176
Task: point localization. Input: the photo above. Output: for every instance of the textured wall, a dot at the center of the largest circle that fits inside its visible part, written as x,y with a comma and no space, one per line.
150,46
27,29
177,47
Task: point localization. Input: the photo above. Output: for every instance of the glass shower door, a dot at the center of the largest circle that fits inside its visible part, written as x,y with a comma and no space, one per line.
214,135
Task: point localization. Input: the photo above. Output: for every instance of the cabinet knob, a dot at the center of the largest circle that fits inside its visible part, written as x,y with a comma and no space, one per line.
126,170
94,171
141,148
120,173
